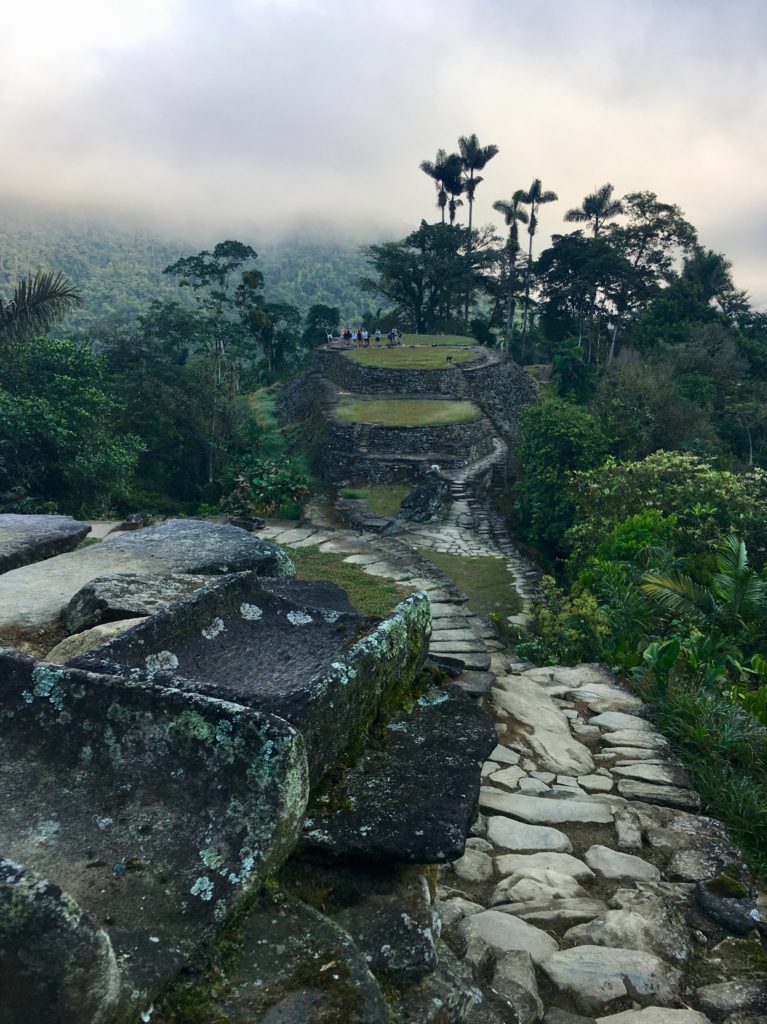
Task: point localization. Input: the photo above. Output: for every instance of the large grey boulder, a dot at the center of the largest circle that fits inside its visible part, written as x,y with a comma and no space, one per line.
275,646
127,596
156,812
56,965
25,539
597,978
35,595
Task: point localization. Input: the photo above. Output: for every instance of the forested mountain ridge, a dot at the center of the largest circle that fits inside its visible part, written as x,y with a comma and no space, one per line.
119,270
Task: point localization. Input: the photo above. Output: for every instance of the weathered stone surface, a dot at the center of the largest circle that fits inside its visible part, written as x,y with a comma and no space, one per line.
504,932
414,799
736,957
729,901
560,913
56,965
666,796
546,730
540,810
514,982
595,783
660,774
643,922
313,668
79,643
127,596
474,866
597,977
509,777
296,966
517,863
130,796
602,697
614,721
447,996
655,1015
25,539
515,835
532,884
554,1015
35,595
738,996
612,864
455,909
628,829
477,684
643,739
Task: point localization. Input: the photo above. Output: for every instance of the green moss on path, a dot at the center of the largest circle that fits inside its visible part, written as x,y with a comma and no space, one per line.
369,595
406,412
485,580
384,499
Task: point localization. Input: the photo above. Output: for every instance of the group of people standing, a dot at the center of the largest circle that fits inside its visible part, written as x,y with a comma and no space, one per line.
361,337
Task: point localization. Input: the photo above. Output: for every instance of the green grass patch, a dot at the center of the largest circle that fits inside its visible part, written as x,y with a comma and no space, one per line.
369,595
406,412
419,358
485,580
384,499
438,339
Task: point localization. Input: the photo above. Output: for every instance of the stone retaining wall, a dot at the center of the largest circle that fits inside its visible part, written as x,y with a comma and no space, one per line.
364,451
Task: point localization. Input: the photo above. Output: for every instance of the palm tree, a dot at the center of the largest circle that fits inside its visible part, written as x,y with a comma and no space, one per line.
37,302
473,158
597,208
436,171
535,197
453,183
513,216
737,596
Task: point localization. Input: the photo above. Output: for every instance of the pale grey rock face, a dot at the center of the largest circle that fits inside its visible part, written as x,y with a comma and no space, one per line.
72,646
548,732
504,755
628,829
514,982
25,539
738,996
655,1015
504,932
656,929
660,774
453,910
601,697
666,796
613,721
536,884
612,864
596,977
516,863
647,740
595,783
509,777
514,835
542,811
474,866
527,785
557,913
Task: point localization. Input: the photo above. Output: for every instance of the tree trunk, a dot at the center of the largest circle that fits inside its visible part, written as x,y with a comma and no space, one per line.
525,314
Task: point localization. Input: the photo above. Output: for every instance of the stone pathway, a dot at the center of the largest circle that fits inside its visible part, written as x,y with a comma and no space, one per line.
591,884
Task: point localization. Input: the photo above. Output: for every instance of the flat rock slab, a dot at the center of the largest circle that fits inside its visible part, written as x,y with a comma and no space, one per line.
415,799
515,835
615,865
538,810
296,966
127,596
278,648
504,932
25,539
157,812
664,774
476,684
35,595
559,913
545,729
655,1015
666,796
597,977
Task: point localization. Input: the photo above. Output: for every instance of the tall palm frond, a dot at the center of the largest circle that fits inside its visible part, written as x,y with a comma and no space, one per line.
436,170
37,302
680,595
596,208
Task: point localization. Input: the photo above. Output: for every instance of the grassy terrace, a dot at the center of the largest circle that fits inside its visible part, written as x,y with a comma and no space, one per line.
369,595
385,499
406,412
418,352
485,581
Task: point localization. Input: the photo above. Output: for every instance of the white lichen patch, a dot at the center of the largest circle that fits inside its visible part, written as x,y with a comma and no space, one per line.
47,685
251,612
299,618
214,629
212,858
163,661
203,887
330,616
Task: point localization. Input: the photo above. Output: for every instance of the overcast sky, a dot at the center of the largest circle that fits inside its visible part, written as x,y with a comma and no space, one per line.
238,117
